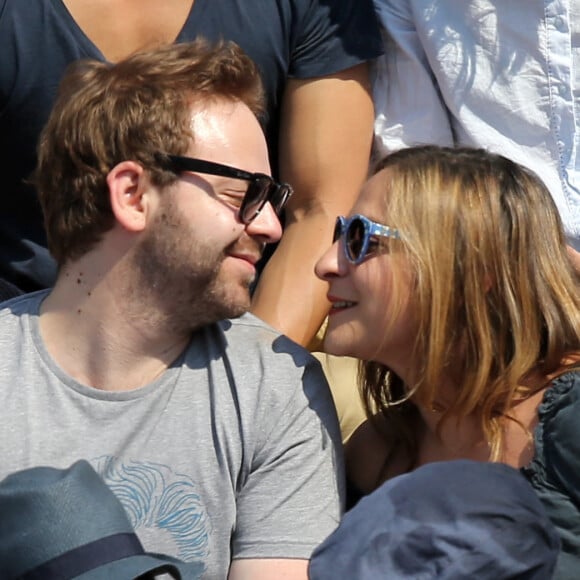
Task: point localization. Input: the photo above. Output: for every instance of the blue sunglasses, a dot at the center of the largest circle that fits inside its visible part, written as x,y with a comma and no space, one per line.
358,232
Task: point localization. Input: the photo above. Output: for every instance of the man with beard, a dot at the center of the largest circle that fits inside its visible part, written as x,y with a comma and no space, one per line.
219,436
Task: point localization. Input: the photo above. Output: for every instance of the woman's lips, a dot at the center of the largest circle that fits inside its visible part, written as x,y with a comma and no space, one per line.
339,305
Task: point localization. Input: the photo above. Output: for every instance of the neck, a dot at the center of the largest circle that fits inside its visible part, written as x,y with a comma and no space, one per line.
452,439
102,331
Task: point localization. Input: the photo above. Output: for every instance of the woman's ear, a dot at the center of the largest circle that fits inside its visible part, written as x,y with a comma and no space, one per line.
128,189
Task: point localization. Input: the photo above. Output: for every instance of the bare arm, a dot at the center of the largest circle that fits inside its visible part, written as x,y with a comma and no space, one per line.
325,141
268,569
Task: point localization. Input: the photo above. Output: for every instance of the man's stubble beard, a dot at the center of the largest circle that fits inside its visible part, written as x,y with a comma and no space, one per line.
179,279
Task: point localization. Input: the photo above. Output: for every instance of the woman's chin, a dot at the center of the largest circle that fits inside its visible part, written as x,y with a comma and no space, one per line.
338,347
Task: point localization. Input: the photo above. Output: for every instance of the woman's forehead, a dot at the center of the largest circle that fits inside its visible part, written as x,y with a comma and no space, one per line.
373,195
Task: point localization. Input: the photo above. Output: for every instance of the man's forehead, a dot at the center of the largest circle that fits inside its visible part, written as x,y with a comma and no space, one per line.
228,132
210,123
218,117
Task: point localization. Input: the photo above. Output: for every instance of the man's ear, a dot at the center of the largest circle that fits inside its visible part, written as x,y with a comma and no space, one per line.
129,189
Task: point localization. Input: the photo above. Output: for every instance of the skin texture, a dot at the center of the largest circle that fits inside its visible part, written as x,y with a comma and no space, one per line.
326,130
359,325
196,258
362,326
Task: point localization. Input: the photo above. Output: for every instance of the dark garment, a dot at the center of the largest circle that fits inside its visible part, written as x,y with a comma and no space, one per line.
449,520
286,38
8,290
554,472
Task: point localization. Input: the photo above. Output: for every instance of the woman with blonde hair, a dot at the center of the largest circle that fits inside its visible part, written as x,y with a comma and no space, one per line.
451,281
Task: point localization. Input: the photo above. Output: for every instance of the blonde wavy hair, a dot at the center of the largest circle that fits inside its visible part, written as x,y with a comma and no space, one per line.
496,295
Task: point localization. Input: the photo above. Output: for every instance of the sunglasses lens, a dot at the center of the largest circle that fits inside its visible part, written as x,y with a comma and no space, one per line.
338,227
355,239
255,198
281,195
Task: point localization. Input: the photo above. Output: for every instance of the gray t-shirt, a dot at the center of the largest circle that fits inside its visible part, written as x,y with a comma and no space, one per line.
234,452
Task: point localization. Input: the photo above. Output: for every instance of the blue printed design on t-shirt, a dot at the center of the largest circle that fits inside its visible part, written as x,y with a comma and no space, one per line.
161,505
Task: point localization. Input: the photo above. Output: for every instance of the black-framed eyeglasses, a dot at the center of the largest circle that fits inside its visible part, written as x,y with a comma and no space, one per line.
357,233
261,187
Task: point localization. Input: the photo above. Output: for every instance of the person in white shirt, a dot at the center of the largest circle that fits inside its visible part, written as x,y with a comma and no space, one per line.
501,75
